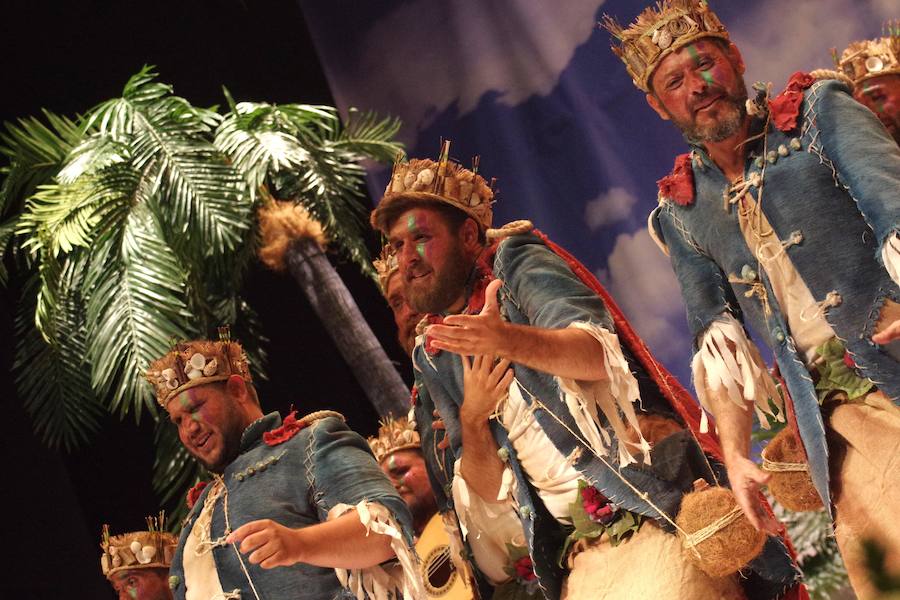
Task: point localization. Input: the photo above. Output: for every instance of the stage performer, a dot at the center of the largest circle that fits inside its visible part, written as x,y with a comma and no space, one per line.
304,495
537,391
873,67
783,217
137,563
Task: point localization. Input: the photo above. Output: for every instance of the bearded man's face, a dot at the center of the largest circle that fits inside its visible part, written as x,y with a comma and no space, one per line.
433,264
700,88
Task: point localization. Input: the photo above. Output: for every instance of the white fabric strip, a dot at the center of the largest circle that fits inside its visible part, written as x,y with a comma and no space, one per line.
614,397
488,526
890,254
728,362
375,583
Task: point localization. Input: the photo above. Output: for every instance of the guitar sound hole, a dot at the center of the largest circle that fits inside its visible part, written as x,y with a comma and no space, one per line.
439,571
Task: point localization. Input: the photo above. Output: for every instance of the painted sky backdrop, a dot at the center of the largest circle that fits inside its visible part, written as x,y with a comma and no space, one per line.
532,87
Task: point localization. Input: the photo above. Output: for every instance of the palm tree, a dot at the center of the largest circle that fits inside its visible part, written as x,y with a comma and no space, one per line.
133,226
304,154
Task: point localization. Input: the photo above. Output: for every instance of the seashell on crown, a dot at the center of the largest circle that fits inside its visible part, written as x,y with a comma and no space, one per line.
659,31
153,548
865,59
194,363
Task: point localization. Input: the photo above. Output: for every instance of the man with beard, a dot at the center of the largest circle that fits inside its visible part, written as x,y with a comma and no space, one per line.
301,494
397,447
874,68
784,217
537,395
137,563
405,317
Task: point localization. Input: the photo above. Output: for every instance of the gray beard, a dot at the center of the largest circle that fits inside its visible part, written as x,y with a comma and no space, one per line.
722,129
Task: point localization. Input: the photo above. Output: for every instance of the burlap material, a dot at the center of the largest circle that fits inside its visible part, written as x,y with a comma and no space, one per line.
651,564
864,441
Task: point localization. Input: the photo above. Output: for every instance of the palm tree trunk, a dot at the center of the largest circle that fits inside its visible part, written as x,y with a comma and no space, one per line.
337,310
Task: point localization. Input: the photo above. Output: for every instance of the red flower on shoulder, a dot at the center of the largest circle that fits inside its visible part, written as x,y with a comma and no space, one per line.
432,320
785,107
289,428
678,186
194,494
524,569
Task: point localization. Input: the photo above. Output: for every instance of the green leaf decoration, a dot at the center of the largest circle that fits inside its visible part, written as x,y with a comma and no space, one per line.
835,375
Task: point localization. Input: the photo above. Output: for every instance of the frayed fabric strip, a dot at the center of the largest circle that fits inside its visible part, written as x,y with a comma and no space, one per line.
614,397
740,371
488,526
890,255
457,546
376,583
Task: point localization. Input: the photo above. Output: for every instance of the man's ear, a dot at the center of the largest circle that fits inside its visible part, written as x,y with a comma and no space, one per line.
657,106
237,388
734,55
469,235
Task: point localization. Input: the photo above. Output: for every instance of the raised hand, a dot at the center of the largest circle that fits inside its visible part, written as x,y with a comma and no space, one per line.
470,335
485,385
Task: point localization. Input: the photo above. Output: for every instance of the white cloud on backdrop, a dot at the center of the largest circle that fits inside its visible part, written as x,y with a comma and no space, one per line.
640,278
778,38
486,43
610,207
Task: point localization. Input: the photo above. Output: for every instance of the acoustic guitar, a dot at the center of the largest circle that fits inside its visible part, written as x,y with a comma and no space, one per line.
438,572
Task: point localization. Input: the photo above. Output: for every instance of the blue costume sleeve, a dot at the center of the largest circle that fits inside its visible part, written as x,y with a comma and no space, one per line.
543,287
438,461
704,287
866,159
342,470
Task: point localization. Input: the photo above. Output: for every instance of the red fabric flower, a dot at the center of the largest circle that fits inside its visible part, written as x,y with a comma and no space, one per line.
414,396
289,428
678,186
194,494
597,506
848,360
785,108
524,569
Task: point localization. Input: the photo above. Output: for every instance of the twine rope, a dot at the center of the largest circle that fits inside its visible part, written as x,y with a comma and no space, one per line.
783,467
692,540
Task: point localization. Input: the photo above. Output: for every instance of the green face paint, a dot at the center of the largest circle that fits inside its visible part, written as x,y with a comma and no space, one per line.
420,248
410,222
132,592
706,74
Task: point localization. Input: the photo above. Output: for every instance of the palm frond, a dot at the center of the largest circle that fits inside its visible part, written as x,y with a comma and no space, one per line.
67,216
303,152
136,307
197,190
7,231
53,379
370,136
93,154
35,152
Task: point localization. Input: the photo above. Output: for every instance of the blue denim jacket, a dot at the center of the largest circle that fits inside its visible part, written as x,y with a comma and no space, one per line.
540,289
294,483
837,183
